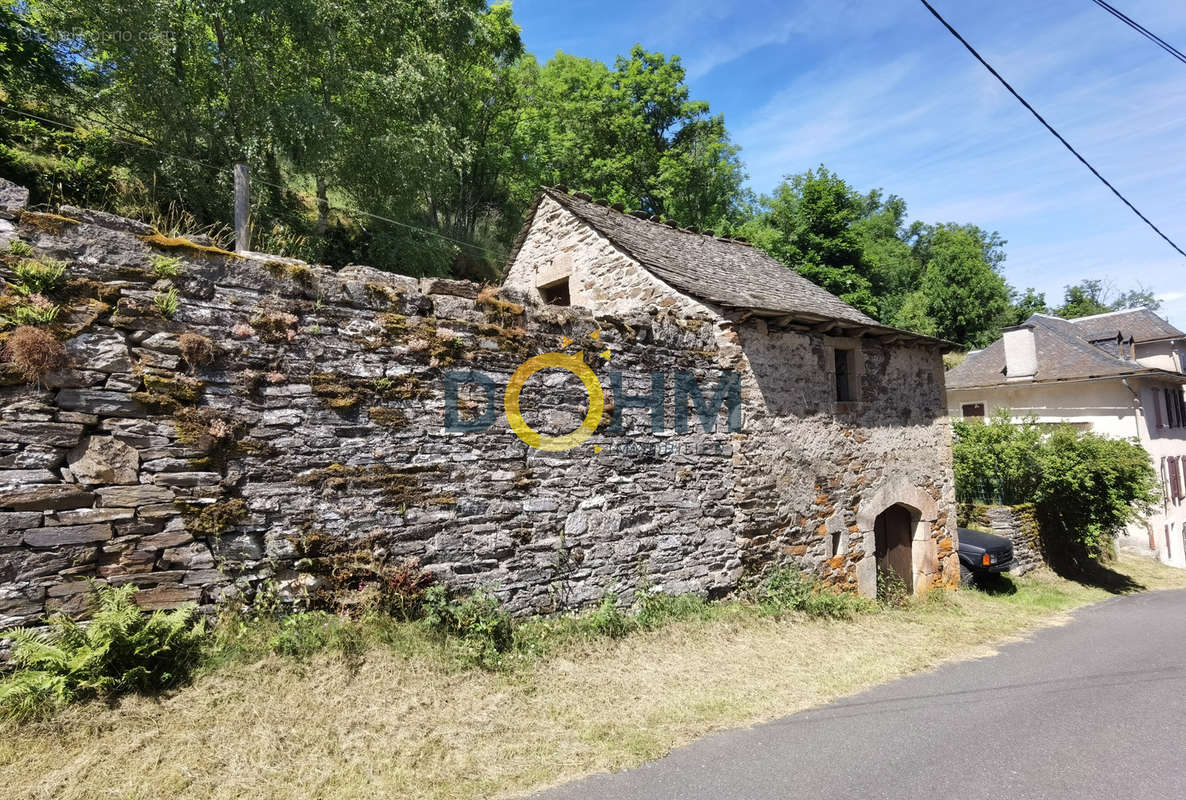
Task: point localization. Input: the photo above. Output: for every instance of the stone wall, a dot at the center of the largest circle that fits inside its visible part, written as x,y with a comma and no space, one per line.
1018,525
315,431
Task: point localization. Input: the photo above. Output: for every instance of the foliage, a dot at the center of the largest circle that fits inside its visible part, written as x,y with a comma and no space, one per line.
996,461
960,296
120,650
37,311
164,266
35,352
1092,487
891,588
629,134
477,621
1085,487
1090,297
167,303
786,589
20,249
36,277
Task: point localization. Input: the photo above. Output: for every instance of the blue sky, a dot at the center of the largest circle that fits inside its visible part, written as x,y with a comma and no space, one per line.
879,92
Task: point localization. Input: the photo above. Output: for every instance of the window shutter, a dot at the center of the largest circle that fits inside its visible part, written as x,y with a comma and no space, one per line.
1175,487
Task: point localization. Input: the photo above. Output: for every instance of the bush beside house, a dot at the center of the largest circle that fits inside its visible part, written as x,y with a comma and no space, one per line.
1084,488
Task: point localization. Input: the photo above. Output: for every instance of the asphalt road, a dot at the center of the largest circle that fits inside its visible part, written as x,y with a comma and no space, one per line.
1092,709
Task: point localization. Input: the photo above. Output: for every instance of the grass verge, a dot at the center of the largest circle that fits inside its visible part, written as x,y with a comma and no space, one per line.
391,712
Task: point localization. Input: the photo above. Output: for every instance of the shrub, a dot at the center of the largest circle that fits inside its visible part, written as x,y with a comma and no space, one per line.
197,350
36,277
120,650
1085,487
996,461
654,608
1091,488
609,620
483,627
303,634
891,589
35,352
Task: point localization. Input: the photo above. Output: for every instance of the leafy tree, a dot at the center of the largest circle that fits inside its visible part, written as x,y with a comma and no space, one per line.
1090,297
1025,306
631,135
808,224
960,291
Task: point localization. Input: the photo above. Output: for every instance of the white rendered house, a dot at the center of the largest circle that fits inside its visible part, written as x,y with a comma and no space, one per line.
1117,374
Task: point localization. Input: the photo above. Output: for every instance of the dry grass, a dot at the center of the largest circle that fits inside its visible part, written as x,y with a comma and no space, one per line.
35,352
405,723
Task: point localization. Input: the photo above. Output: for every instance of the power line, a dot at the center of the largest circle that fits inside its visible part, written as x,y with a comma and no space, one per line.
229,171
1141,29
1050,127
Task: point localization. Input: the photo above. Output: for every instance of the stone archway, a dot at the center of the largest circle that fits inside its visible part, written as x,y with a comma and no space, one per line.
907,501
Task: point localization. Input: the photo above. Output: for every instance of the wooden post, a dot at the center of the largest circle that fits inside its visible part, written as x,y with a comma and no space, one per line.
242,208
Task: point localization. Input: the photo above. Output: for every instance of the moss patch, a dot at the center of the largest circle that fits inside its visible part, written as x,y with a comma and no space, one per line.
212,519
159,240
180,388
49,223
402,486
388,417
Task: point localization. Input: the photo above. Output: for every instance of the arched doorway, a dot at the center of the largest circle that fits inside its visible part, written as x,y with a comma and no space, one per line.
893,535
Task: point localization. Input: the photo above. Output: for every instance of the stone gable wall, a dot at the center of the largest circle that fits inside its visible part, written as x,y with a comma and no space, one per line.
317,432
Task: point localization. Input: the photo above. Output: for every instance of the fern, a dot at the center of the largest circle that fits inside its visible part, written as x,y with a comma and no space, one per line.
120,650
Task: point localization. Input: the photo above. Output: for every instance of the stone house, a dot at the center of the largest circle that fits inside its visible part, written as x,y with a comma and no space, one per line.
843,461
1118,374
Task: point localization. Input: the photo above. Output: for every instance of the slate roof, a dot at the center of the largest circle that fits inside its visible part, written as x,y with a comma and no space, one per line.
1064,353
724,272
1138,324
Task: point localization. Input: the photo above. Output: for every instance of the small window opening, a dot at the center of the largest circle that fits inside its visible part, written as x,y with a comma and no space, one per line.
972,409
835,544
556,294
844,392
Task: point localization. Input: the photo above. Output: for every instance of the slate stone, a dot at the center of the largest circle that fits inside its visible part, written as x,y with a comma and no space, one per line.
52,497
67,534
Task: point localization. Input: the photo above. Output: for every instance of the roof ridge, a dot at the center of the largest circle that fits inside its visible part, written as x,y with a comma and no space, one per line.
644,216
1077,320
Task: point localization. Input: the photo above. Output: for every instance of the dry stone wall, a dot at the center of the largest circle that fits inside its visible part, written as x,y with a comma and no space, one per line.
286,419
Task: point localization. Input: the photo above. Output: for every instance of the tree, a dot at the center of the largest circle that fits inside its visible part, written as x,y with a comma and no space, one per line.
808,225
1090,297
960,293
1025,306
630,135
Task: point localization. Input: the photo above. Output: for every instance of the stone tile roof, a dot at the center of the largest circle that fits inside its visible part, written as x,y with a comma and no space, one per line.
725,272
1138,324
1063,354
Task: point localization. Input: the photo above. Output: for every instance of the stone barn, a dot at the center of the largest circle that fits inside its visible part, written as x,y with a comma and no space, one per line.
843,461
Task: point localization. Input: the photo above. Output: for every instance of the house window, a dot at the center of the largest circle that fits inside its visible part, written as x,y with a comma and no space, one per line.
1175,486
1175,408
844,375
556,294
972,410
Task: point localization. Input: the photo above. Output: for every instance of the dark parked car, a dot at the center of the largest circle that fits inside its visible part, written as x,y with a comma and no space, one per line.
983,554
